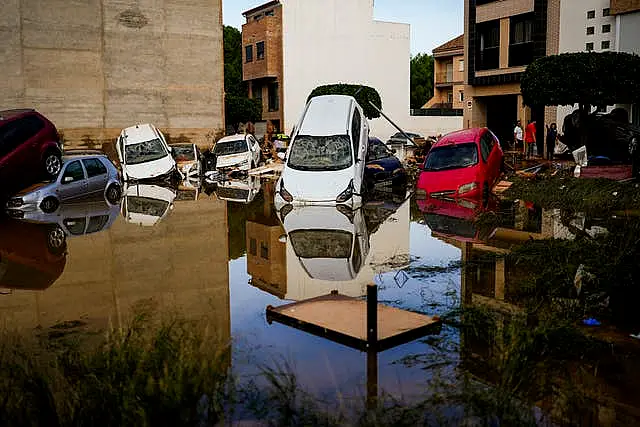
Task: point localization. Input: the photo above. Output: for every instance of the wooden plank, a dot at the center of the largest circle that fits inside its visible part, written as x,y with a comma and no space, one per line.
343,319
272,167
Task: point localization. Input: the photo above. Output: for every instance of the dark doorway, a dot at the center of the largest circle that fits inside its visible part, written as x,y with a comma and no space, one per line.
502,115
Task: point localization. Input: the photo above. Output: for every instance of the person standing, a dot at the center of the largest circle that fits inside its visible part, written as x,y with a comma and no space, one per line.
552,137
530,138
518,136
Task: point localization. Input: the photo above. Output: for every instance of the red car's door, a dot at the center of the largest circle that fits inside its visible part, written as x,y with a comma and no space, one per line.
491,150
19,156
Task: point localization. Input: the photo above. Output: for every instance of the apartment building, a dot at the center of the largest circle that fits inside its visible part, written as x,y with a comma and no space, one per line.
290,48
448,85
502,37
627,14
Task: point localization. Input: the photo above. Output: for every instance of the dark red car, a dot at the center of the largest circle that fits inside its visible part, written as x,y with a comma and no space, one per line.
463,164
29,150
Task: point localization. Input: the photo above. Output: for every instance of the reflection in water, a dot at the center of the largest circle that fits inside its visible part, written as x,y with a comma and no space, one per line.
239,190
147,204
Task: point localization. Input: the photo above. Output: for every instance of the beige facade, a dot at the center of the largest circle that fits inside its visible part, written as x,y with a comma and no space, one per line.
448,87
106,64
263,61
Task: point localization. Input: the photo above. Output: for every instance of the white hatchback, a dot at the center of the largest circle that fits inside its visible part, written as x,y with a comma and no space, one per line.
144,154
237,152
324,164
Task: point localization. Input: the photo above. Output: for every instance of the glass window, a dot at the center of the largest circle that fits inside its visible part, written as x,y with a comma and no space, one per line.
143,152
589,47
260,50
486,145
333,244
605,44
452,157
377,150
606,28
269,13
253,247
97,223
461,96
591,14
248,53
147,206
94,167
18,131
73,171
606,11
461,65
591,30
522,32
355,130
264,250
183,153
75,225
230,147
320,153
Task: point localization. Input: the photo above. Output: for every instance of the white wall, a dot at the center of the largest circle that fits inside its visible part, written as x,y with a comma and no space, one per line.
629,33
337,41
573,33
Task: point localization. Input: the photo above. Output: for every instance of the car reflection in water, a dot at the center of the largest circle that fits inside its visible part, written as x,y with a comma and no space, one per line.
331,243
189,190
147,204
32,255
239,190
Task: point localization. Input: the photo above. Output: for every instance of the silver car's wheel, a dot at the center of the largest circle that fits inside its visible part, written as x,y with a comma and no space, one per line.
52,164
49,205
56,239
113,194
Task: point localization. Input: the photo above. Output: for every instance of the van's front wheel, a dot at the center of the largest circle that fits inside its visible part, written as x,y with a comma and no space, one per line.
52,164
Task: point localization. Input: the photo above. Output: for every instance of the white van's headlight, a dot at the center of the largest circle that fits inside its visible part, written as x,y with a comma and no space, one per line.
346,194
286,196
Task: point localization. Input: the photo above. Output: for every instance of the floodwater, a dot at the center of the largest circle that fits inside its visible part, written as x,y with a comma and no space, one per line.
225,254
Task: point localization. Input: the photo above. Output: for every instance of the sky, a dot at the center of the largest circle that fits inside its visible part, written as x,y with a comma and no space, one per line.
433,22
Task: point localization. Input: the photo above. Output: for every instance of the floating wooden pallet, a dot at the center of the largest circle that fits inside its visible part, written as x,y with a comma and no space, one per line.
345,320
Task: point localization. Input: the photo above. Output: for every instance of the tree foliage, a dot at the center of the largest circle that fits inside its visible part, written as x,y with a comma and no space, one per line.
238,107
362,94
421,80
600,79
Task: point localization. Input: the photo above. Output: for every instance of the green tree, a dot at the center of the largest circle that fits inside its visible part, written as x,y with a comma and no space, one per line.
421,80
362,94
587,79
239,108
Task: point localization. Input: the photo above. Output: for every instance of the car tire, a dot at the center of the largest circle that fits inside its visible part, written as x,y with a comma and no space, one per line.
113,194
49,204
56,240
52,164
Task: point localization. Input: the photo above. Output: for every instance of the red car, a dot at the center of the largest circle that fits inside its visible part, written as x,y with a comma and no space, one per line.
29,150
463,164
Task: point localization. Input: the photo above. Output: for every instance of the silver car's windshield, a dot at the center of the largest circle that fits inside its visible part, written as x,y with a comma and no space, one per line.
231,147
321,153
143,152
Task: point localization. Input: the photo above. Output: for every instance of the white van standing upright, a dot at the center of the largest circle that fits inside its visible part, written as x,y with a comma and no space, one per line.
324,164
144,154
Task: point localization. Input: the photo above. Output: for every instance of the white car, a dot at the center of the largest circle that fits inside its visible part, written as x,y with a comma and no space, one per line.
147,204
237,152
325,161
144,154
239,190
331,243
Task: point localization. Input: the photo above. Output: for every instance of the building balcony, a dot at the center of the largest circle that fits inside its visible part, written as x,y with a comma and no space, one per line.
446,79
488,58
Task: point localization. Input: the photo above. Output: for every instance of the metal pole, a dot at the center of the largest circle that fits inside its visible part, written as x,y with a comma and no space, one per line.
390,121
372,317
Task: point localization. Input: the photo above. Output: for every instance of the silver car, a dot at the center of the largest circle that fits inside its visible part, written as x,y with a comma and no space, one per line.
81,177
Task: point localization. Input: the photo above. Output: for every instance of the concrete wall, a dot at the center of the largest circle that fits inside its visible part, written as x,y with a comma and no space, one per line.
629,33
111,63
331,41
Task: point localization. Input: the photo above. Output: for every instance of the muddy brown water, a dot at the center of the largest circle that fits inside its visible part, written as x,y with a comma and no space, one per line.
201,256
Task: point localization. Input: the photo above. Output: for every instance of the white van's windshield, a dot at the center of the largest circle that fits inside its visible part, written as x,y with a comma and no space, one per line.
143,152
334,244
321,153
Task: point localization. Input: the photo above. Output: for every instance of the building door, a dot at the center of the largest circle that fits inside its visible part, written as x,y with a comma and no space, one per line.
502,115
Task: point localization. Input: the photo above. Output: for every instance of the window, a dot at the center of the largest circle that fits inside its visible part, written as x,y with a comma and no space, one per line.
461,65
73,171
75,225
248,53
143,152
449,97
264,250
591,14
227,148
253,247
269,12
94,167
452,157
260,51
606,28
257,93
377,151
97,223
274,99
591,31
589,47
605,44
521,40
486,145
488,45
320,153
461,98
606,11
15,133
355,131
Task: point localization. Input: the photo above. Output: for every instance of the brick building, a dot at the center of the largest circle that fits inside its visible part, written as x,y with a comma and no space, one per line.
448,87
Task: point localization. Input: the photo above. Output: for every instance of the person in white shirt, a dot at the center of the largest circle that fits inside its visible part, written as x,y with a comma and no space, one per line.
518,135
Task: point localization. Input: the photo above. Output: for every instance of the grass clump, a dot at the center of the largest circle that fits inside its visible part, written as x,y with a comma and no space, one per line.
154,372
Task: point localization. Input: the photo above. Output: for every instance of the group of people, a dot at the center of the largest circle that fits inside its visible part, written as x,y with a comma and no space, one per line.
527,139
